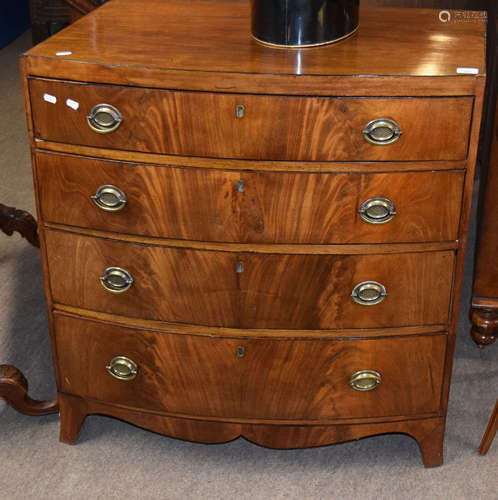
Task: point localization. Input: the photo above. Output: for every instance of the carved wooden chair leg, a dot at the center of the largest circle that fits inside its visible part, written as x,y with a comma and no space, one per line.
13,384
14,389
484,325
490,433
12,219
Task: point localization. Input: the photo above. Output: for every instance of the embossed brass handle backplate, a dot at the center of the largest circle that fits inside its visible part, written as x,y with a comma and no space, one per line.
365,380
369,293
104,118
382,131
109,198
377,210
116,280
122,368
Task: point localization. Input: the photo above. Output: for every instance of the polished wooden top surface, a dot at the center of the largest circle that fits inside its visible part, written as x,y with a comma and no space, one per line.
214,36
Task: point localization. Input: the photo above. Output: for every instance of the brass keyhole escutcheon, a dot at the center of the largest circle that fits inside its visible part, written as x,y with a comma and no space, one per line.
239,111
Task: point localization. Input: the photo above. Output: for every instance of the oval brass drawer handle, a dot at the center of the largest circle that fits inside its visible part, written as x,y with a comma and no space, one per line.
365,380
109,198
104,118
122,368
116,280
369,293
382,131
377,210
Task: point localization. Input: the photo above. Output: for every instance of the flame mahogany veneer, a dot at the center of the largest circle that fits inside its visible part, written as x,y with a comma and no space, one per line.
243,169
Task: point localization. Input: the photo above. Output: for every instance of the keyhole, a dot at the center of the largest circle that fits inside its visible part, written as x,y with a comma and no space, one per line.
240,351
240,267
239,111
240,186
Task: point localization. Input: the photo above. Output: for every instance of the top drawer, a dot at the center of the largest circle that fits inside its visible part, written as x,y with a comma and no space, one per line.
256,127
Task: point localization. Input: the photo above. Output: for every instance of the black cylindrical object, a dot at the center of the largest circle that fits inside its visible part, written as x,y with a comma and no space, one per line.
301,23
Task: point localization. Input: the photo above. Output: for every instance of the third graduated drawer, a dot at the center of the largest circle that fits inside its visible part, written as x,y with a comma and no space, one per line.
245,289
206,204
257,127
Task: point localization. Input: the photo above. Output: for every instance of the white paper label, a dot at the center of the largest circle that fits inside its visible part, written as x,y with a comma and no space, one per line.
50,98
63,53
468,71
72,104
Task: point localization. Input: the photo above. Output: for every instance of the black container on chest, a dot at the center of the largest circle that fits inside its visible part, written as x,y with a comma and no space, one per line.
301,23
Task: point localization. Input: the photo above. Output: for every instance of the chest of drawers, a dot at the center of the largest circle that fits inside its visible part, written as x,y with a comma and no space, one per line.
247,241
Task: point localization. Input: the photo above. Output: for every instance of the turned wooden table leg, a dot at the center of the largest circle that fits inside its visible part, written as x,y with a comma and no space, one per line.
484,325
490,433
14,389
12,219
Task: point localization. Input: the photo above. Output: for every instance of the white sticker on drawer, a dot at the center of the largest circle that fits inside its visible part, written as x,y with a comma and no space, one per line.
72,104
63,53
468,71
50,98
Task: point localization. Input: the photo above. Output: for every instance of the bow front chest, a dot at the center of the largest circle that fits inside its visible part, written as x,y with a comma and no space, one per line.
241,240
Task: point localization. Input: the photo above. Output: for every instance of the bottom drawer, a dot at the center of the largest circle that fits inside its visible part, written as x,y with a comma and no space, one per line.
202,376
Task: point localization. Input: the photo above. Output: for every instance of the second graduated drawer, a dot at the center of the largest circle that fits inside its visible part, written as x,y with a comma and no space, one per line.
257,127
249,290
249,207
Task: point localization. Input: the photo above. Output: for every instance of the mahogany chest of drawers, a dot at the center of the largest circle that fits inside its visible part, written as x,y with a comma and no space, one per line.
244,240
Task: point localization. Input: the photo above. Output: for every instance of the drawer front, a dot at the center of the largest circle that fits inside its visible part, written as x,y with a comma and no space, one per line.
251,126
222,205
250,290
254,379
182,203
350,208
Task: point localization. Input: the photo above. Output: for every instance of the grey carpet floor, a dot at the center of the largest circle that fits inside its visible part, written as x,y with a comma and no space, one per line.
113,459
